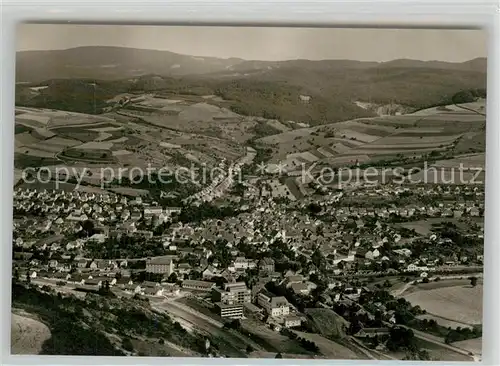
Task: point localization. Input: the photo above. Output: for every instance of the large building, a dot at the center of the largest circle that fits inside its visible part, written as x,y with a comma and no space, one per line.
160,265
273,305
233,293
231,311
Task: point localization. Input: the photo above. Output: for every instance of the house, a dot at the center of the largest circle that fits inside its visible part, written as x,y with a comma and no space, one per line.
153,291
289,280
184,268
304,99
474,212
133,289
198,285
81,263
300,288
371,332
53,263
123,281
273,305
241,263
292,321
210,272
93,282
266,265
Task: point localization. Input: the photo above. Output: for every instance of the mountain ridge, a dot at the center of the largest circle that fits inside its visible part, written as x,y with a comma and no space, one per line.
114,63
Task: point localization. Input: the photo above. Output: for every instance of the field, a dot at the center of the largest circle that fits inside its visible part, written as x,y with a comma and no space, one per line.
468,161
461,303
382,138
438,353
27,334
424,227
472,345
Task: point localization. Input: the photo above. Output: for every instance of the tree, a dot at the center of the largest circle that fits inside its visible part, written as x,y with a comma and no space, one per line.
88,228
473,281
400,338
249,349
279,355
172,278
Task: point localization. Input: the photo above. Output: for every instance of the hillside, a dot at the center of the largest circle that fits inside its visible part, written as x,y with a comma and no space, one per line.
98,325
84,79
326,322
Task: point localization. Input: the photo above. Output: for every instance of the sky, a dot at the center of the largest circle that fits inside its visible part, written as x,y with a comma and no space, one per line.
265,43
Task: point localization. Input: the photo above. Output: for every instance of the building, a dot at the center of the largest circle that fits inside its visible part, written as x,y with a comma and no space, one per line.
153,211
198,285
233,293
273,305
266,265
160,265
231,311
371,332
250,310
241,263
292,321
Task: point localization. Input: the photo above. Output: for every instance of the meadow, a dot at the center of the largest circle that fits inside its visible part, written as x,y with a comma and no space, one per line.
461,303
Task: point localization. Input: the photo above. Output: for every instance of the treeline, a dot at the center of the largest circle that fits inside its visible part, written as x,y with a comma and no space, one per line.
462,334
468,96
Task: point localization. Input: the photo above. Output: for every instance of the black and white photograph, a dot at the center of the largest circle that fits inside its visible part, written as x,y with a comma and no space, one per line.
249,192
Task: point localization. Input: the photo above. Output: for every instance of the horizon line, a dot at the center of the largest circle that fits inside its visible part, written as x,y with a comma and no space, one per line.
243,59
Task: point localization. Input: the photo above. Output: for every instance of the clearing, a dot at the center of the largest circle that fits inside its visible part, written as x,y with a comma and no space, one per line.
27,334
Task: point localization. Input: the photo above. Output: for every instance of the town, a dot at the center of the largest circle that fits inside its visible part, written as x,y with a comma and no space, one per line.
272,260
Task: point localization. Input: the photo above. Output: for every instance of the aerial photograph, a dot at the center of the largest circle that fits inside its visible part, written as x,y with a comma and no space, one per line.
248,192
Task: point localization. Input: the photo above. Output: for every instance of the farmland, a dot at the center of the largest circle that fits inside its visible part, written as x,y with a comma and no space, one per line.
460,303
443,139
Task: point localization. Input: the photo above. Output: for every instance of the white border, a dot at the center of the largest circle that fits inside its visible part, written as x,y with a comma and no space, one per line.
442,14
